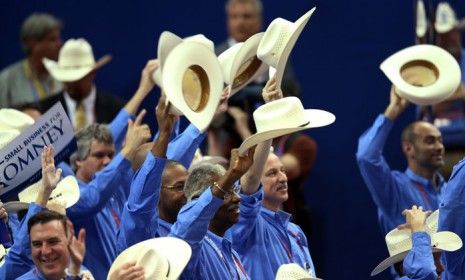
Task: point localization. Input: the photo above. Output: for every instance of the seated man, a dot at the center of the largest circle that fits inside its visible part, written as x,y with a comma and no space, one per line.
210,212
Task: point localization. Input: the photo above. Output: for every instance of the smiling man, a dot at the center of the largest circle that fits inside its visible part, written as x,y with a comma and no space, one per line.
420,184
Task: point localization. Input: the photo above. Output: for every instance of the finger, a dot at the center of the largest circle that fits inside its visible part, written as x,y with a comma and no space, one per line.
420,208
428,213
130,124
140,117
58,173
251,151
402,226
414,207
167,108
405,212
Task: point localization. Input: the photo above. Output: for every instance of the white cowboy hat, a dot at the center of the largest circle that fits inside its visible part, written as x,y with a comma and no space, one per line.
75,61
399,242
293,271
12,118
422,23
240,63
445,18
162,258
423,74
284,116
278,41
66,192
193,82
3,252
166,43
7,135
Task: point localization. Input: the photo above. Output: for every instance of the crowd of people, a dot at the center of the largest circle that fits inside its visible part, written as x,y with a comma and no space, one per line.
132,203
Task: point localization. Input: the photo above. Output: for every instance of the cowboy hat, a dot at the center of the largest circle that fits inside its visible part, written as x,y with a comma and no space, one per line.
445,18
422,23
399,242
278,41
75,61
423,74
162,258
240,63
284,116
193,82
166,43
66,192
14,119
293,271
7,135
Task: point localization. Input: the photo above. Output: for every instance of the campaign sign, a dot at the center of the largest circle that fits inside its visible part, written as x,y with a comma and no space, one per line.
20,160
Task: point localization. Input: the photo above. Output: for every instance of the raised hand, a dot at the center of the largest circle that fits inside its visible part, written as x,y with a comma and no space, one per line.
223,105
238,165
271,92
165,120
396,106
415,219
146,83
128,271
50,176
3,213
137,135
77,250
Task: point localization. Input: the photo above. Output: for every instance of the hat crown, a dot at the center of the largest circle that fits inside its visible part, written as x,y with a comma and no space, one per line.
445,18
292,271
155,266
282,113
76,53
274,41
14,119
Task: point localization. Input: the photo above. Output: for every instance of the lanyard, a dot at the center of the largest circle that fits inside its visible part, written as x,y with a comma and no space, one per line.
37,88
299,242
237,263
113,213
423,193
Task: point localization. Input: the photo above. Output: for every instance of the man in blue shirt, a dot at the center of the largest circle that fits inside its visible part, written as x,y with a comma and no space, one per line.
394,191
210,212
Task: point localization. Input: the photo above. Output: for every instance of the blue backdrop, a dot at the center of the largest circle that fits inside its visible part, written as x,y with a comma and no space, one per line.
336,61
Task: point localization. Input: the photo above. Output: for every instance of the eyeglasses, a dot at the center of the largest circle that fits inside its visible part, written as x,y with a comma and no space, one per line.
236,189
178,187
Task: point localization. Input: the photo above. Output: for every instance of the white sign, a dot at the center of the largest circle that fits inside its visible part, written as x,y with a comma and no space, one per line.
20,160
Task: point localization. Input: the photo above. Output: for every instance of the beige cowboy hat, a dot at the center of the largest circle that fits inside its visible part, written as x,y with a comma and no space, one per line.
193,81
293,271
240,63
279,40
421,22
162,258
399,242
3,252
14,119
7,135
66,193
284,116
76,60
166,43
423,74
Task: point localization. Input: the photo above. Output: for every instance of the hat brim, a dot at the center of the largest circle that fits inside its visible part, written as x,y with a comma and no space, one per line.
282,61
441,241
182,57
15,206
246,51
175,250
449,76
67,191
72,74
315,117
167,42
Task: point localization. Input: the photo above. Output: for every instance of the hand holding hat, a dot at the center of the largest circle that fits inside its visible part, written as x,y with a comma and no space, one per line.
396,106
271,91
415,219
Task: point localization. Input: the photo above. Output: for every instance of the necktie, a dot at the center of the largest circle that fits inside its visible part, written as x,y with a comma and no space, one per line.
80,116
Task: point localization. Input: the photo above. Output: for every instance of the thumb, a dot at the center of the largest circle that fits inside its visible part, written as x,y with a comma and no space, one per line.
403,226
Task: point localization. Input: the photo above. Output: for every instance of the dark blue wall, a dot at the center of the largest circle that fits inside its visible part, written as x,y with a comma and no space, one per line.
336,60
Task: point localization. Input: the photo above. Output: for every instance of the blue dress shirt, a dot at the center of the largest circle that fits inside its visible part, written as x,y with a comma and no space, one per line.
419,262
265,239
392,191
212,255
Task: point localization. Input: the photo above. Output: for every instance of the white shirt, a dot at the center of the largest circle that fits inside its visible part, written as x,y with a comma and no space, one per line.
88,103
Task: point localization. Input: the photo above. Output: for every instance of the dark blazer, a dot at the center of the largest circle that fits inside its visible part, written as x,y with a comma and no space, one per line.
106,106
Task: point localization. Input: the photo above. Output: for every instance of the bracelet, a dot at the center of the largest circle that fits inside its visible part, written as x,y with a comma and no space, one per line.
215,184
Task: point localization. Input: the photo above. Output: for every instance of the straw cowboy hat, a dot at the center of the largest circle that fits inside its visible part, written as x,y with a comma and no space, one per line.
193,82
399,242
293,271
66,193
422,23
162,258
75,61
284,116
240,63
7,135
14,119
278,41
166,43
423,74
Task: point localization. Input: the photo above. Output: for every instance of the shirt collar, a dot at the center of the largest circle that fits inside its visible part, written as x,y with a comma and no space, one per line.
231,42
423,181
284,217
225,241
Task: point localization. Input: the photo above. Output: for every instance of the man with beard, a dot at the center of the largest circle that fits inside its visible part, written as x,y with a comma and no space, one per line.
394,191
212,209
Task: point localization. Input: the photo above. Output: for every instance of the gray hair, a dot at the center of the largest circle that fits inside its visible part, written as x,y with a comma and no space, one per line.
200,177
36,26
257,4
84,137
